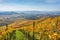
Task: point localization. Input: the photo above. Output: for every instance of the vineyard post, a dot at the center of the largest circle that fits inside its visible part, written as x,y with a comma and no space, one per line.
33,29
56,22
6,25
6,30
56,26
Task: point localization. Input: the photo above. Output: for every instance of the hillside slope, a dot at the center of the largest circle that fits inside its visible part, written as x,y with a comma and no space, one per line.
43,29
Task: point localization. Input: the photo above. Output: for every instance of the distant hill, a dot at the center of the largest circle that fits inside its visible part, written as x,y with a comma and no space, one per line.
9,17
7,13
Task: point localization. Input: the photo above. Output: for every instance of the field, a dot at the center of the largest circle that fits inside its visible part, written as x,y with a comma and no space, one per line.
47,28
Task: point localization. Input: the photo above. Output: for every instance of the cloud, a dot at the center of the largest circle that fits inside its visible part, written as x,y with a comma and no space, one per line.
51,1
17,8
22,7
26,8
1,0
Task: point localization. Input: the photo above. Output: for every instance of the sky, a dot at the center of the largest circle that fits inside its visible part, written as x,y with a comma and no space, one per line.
29,5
